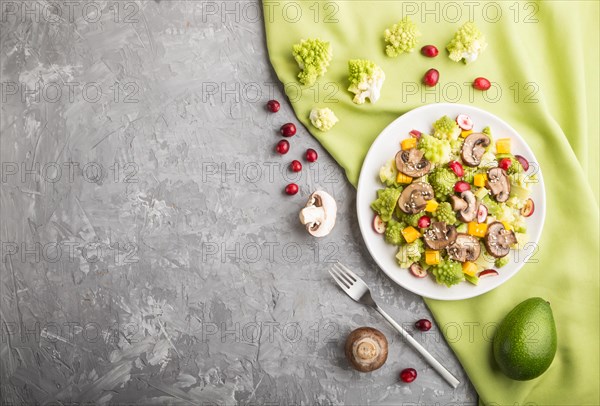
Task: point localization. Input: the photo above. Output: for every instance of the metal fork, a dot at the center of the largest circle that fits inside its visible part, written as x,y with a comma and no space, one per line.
358,290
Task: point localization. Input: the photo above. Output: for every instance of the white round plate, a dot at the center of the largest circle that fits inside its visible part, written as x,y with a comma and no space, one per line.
385,147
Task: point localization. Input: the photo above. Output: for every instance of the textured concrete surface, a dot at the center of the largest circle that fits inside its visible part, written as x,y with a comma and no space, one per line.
149,254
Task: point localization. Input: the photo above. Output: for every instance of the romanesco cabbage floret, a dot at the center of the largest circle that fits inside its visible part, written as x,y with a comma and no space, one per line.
387,200
323,119
366,80
447,272
435,150
515,167
445,213
506,214
313,57
446,129
442,180
401,37
468,43
456,146
393,232
492,206
469,174
388,173
500,262
409,253
410,219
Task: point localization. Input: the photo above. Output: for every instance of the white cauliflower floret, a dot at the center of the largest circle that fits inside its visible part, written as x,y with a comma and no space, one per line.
323,119
366,80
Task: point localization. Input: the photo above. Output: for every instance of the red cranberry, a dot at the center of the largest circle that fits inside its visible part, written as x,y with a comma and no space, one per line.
523,161
481,84
505,163
457,168
423,325
430,51
424,222
461,186
311,155
283,147
288,130
431,77
273,106
296,166
291,189
408,375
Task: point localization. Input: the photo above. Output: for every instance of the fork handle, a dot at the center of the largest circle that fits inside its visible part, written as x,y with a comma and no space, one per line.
421,350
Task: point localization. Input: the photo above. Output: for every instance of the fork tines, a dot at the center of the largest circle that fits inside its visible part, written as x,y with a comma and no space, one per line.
343,276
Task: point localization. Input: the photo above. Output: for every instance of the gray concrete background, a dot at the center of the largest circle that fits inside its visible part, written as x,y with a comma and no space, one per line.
149,253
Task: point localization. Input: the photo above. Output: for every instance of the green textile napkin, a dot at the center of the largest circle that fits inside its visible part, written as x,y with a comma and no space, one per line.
543,58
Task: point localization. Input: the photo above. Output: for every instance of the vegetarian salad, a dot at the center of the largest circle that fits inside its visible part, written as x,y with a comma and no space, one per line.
454,202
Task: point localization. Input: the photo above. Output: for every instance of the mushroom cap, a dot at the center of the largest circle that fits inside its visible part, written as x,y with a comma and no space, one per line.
366,349
464,248
411,162
473,148
499,184
439,235
468,213
414,197
498,240
319,214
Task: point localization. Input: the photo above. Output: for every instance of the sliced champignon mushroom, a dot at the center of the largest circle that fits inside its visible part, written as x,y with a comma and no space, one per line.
414,197
411,162
468,213
473,148
366,349
464,248
498,240
319,214
499,184
439,235
457,203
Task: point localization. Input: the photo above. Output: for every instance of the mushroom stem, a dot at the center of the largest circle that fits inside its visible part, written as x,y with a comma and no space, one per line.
312,215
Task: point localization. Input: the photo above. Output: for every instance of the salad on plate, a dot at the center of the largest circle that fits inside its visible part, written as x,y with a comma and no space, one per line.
455,201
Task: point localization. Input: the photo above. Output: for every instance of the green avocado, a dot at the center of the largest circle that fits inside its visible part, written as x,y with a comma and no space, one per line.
525,342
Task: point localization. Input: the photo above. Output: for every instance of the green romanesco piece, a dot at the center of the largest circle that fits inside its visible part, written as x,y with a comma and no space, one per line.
410,219
446,129
487,131
393,232
409,253
323,118
469,175
442,180
387,199
500,262
313,57
492,206
401,37
515,167
435,150
388,173
456,146
366,80
445,213
447,272
468,43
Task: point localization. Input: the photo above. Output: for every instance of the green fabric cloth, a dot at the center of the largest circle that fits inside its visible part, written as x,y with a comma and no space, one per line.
545,67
